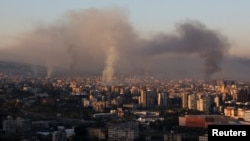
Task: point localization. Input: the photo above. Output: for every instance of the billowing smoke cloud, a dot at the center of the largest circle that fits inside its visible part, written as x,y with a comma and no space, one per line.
192,38
103,41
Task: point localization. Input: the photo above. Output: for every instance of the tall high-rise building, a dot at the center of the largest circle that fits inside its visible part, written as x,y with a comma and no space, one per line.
217,101
204,103
184,100
59,135
243,95
9,125
162,98
24,127
191,102
147,98
143,98
18,125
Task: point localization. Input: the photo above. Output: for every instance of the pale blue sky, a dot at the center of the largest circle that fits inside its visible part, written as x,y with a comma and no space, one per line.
231,17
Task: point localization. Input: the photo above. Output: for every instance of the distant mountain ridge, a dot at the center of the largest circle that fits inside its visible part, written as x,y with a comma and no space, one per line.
19,68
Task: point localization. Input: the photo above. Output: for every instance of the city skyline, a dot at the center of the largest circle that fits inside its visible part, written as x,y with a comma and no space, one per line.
174,39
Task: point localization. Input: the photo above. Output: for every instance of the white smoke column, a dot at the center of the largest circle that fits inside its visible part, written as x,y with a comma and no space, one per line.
35,70
108,72
49,72
50,69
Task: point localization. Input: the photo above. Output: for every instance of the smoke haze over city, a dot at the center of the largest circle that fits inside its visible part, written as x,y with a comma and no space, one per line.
104,41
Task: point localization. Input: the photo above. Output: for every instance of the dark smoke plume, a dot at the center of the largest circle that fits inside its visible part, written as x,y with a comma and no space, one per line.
192,38
73,57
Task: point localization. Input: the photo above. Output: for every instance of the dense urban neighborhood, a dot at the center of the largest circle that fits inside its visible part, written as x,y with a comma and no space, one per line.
62,107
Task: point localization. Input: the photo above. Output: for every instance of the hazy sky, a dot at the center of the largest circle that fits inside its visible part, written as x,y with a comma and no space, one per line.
21,21
228,16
